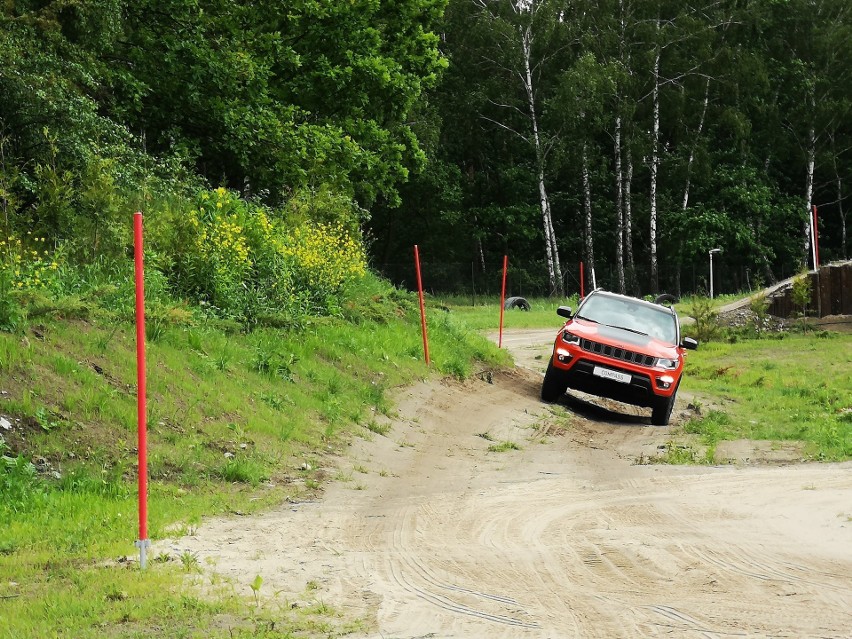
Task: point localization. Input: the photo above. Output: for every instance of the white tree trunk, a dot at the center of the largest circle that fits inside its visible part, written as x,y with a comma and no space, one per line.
587,209
690,160
619,208
839,184
554,270
809,190
695,144
628,224
655,163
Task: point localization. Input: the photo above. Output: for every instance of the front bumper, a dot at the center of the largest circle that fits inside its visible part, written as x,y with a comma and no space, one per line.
645,386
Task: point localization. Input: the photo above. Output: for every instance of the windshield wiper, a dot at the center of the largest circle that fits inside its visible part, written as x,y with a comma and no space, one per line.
624,328
588,319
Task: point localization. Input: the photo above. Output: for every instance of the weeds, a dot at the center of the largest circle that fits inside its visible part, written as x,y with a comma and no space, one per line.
503,447
256,583
379,429
674,453
189,561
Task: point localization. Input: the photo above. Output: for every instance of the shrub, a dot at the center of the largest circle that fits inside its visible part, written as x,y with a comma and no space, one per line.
243,263
706,319
802,296
759,307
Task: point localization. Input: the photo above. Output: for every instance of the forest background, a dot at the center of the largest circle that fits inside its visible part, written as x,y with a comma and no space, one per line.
260,138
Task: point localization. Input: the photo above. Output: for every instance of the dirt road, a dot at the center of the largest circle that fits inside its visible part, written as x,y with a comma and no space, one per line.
562,534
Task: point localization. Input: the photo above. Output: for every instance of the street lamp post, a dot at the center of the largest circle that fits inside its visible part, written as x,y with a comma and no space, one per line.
710,252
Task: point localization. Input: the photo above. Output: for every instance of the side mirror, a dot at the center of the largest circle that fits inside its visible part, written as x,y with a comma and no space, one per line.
564,311
691,344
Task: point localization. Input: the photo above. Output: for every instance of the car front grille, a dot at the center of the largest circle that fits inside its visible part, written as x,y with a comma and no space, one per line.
616,353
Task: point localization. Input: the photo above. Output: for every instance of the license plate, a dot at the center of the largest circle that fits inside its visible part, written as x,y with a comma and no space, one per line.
607,373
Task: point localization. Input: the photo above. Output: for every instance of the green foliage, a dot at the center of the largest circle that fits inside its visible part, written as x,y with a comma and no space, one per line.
20,487
27,268
759,307
802,294
241,262
705,319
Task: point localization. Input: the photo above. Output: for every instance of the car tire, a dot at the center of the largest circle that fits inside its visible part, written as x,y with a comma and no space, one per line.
661,411
516,302
665,298
554,384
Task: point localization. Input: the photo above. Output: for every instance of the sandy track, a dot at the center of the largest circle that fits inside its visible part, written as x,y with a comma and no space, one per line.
566,537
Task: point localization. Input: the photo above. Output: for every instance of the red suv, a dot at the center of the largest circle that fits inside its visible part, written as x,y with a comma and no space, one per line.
622,348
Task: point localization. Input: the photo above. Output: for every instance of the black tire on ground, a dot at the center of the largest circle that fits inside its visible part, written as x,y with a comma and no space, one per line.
665,298
661,411
554,384
516,302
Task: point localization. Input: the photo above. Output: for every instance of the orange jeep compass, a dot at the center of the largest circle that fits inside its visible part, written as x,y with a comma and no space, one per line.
622,348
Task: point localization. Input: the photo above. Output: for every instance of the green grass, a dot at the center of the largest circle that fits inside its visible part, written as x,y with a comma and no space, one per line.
791,388
231,419
503,447
486,314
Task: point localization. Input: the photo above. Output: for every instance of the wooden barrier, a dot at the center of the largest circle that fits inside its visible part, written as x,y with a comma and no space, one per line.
831,293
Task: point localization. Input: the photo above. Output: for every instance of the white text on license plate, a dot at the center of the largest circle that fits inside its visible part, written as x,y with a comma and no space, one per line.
624,378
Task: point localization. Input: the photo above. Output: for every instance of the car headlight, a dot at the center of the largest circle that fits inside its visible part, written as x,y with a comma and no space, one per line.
569,337
669,364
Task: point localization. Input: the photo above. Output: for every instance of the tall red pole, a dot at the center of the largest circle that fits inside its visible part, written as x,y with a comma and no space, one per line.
141,416
816,240
422,306
503,300
582,283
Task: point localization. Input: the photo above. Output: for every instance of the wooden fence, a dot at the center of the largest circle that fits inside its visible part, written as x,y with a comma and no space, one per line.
831,293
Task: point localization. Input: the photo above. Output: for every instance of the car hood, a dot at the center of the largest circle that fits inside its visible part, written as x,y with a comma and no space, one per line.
621,338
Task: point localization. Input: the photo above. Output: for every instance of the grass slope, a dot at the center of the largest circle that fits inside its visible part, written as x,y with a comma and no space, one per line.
236,423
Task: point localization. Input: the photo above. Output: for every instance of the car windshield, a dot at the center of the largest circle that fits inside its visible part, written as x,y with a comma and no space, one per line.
636,317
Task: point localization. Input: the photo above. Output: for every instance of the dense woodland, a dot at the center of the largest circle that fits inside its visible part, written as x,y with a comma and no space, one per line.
632,136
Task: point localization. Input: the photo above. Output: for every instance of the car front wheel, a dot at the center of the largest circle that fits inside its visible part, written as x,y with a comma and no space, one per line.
554,383
661,411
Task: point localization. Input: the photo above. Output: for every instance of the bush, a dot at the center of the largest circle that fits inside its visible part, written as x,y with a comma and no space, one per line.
241,262
759,307
706,319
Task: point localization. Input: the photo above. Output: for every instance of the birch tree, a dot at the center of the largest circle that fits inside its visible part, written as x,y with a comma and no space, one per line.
518,26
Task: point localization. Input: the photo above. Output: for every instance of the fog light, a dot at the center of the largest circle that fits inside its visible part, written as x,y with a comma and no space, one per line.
665,381
563,356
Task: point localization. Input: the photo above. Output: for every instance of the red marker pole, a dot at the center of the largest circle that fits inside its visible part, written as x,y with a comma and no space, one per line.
582,283
143,543
503,300
816,240
422,306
